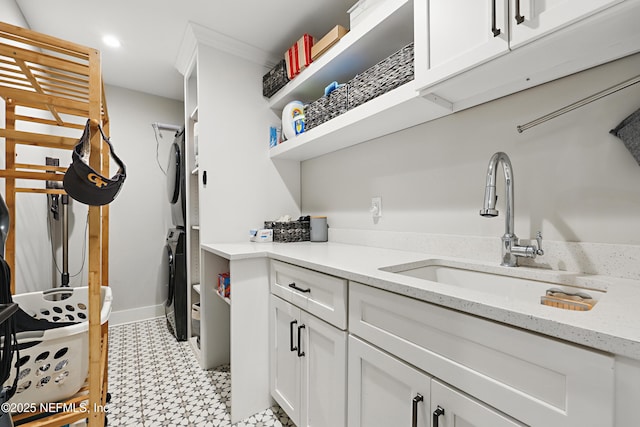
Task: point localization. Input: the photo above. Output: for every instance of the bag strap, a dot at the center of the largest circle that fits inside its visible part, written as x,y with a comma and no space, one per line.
8,334
85,143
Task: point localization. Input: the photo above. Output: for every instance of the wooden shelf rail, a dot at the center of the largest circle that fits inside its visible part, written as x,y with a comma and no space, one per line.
51,87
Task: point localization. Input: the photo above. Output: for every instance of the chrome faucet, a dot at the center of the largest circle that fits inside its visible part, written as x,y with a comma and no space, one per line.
511,248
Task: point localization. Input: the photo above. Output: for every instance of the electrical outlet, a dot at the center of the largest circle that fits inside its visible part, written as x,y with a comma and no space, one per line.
376,207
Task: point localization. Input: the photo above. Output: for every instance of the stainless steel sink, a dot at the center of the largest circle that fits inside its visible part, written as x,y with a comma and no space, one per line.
527,284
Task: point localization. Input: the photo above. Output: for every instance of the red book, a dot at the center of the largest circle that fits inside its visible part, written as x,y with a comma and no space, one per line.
298,56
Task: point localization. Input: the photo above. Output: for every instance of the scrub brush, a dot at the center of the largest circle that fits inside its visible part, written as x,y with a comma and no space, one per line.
569,301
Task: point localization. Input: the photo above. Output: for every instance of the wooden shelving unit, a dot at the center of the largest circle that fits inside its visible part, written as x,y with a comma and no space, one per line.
53,86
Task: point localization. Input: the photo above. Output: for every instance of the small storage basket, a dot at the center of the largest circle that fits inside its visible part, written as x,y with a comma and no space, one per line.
275,79
195,319
54,363
386,75
326,108
291,231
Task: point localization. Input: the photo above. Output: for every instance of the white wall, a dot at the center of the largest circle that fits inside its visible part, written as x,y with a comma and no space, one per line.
34,268
245,187
38,235
573,180
11,13
140,216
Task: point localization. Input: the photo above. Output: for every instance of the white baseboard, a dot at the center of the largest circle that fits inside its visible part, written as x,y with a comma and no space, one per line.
136,314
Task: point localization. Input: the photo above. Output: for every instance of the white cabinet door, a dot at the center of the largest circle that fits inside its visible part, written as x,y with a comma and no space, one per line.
459,35
450,408
308,361
284,375
535,379
383,391
531,19
324,374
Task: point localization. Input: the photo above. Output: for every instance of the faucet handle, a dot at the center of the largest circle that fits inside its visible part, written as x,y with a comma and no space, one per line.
539,250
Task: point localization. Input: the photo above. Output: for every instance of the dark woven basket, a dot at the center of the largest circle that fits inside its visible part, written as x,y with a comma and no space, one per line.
326,108
292,231
386,75
629,132
275,79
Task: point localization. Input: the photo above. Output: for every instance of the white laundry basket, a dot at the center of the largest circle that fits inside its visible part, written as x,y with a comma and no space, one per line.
54,363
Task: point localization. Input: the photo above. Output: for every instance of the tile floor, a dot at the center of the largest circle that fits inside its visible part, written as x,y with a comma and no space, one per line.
156,381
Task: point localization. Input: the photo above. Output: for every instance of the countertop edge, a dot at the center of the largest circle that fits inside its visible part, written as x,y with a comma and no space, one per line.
594,339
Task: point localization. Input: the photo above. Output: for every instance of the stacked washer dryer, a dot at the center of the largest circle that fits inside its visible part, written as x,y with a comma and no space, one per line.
176,304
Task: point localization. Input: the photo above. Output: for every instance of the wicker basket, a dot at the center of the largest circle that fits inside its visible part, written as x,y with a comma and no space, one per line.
274,80
291,231
327,107
386,75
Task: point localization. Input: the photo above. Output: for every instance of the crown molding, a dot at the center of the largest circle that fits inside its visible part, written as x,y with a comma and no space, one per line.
196,34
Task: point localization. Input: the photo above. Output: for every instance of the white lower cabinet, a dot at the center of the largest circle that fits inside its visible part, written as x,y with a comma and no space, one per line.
452,408
308,366
533,379
384,391
284,360
412,363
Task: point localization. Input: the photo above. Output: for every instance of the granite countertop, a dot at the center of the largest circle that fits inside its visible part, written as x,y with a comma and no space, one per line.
613,325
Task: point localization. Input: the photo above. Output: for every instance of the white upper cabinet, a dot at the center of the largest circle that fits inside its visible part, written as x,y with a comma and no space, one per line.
469,52
459,35
531,19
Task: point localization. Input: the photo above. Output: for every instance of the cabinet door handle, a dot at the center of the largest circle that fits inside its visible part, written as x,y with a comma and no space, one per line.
300,353
519,18
291,346
496,31
204,178
436,415
414,417
293,286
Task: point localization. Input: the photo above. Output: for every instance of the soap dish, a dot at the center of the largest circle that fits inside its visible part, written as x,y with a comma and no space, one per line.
568,301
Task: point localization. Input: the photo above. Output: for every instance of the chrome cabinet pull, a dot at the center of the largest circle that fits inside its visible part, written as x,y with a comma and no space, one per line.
519,18
291,346
436,415
300,353
414,417
496,31
292,285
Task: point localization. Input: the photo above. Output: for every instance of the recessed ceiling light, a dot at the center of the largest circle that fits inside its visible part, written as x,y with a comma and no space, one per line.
111,41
